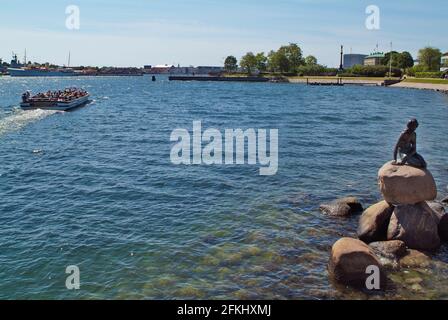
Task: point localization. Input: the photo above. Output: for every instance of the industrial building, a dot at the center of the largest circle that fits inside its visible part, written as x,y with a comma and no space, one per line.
353,59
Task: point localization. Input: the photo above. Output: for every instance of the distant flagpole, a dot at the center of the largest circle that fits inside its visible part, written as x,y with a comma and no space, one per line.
390,61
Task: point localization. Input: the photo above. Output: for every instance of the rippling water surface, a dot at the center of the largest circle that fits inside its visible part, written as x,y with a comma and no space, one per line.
96,188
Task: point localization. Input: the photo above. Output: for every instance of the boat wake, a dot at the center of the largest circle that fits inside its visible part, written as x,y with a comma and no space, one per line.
19,118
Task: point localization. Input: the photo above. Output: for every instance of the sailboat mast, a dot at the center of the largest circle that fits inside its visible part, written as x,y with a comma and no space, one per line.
68,65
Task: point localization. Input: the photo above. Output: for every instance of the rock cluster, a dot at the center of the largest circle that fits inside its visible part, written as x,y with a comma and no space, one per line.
392,231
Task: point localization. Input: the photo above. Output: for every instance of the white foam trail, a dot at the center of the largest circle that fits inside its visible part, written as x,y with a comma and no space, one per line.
21,118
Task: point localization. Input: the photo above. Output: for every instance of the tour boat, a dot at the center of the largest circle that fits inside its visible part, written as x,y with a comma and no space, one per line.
54,104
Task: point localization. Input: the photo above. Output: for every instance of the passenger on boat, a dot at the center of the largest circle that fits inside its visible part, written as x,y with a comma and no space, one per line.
26,96
66,95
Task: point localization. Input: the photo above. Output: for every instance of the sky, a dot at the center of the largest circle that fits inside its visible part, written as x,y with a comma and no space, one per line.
204,32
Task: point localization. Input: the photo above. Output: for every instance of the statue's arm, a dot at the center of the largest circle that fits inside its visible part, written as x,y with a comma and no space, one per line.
396,148
395,152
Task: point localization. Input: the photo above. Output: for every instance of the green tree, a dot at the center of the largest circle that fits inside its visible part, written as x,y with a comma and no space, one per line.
402,60
429,57
278,61
405,60
231,64
272,62
386,60
249,62
310,61
262,61
294,55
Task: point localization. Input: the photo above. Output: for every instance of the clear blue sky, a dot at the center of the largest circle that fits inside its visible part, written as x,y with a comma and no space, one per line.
203,32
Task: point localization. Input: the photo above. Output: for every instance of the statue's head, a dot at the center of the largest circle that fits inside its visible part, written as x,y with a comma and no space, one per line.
412,124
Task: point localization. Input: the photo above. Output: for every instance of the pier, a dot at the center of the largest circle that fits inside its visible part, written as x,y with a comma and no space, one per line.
325,83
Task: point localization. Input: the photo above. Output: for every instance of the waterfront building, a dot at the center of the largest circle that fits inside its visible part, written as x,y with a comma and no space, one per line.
353,59
161,69
183,70
374,59
209,70
444,62
168,69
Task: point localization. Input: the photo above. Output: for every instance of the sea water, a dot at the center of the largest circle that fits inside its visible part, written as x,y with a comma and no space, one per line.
95,188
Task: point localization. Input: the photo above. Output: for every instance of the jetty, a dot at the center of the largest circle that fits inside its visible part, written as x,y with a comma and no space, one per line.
217,78
325,83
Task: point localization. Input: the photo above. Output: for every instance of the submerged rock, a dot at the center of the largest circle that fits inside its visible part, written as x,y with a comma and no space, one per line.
415,259
374,222
342,207
393,250
335,209
416,225
349,261
406,184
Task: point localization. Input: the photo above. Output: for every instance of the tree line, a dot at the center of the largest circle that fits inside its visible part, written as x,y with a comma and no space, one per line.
429,60
289,59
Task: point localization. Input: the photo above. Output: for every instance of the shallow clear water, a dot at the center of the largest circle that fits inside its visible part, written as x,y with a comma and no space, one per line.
96,188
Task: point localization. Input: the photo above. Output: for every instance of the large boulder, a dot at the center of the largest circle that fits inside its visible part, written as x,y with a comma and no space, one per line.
342,207
394,249
415,225
443,228
442,218
374,222
349,261
438,208
405,184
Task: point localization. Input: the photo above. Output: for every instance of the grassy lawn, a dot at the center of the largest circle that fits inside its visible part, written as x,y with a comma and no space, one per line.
431,81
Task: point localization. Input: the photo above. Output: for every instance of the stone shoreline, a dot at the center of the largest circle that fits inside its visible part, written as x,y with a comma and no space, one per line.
422,86
375,82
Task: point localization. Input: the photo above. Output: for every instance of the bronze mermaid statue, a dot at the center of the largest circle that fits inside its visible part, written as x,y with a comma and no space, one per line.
406,147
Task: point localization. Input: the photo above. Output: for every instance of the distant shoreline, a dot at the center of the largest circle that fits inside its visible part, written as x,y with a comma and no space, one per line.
421,84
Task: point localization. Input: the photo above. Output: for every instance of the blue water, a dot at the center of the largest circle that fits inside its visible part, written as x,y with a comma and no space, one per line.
95,188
